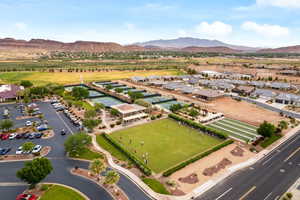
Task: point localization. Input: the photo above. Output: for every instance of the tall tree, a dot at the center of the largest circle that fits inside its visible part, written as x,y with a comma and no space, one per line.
97,166
80,93
28,146
6,124
35,171
76,143
266,129
26,83
112,177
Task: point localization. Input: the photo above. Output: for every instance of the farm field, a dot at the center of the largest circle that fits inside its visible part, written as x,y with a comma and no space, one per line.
236,129
41,78
166,142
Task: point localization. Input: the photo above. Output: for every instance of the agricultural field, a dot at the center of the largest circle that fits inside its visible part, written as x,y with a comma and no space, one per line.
42,78
164,143
236,129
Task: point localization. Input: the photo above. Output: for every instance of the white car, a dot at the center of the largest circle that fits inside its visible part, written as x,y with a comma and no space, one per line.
37,149
12,136
19,150
28,123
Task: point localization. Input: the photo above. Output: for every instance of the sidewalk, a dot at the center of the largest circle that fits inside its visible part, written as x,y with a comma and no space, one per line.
295,190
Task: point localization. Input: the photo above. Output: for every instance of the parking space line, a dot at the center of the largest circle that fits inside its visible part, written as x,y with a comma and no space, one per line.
64,123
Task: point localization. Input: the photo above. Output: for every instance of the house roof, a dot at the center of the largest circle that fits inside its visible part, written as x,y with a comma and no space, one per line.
208,93
128,108
9,91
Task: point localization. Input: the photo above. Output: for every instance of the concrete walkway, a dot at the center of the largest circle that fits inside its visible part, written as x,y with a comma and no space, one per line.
295,190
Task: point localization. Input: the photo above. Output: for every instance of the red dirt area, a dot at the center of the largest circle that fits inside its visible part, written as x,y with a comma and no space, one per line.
244,111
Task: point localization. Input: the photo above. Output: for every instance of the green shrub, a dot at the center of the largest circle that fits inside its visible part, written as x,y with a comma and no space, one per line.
196,158
144,168
153,117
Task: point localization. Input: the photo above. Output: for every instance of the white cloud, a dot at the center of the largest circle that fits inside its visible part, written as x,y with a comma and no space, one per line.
215,29
290,4
20,25
267,30
130,26
279,3
157,6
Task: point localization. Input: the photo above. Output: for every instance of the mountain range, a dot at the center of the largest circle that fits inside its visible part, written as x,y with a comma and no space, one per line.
186,44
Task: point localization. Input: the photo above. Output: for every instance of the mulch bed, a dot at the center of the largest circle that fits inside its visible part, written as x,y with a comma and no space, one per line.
177,192
215,169
237,151
190,179
114,190
48,134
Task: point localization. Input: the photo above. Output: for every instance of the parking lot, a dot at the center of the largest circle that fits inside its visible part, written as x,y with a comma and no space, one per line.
56,120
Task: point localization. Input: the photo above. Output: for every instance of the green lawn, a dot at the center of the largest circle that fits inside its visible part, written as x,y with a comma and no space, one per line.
156,186
110,148
87,154
166,142
57,192
267,142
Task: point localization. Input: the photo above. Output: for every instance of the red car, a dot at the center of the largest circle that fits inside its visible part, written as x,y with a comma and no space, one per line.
26,197
4,136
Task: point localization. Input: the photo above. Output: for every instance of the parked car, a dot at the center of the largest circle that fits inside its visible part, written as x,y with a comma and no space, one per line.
20,135
4,151
26,197
12,136
38,135
19,150
42,127
37,113
31,136
36,149
26,135
4,136
28,123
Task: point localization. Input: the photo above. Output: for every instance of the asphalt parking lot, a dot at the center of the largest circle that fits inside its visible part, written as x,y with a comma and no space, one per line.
56,120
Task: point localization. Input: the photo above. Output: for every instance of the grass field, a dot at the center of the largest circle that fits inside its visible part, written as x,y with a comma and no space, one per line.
57,192
236,129
41,78
87,154
156,186
166,142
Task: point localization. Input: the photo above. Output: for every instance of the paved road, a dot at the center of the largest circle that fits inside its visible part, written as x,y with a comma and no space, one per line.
61,164
266,180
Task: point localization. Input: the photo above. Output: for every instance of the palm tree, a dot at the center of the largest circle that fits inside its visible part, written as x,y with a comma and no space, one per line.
97,166
112,177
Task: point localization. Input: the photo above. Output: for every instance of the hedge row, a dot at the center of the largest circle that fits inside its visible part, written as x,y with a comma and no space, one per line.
203,128
144,168
196,158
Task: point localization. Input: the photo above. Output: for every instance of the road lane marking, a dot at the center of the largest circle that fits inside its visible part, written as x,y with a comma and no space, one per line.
278,151
64,123
3,184
292,154
247,193
268,196
277,198
222,195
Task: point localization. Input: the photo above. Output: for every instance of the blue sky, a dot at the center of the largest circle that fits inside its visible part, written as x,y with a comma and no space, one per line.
265,23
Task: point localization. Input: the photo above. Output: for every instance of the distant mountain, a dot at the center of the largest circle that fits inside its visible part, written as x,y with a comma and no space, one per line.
211,50
184,42
289,49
